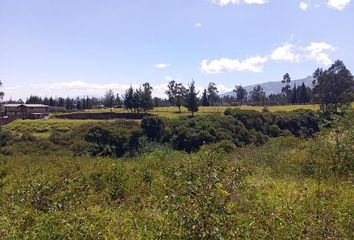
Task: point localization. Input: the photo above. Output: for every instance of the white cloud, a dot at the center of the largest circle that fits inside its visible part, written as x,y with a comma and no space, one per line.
198,25
223,89
304,6
286,52
317,51
252,64
162,65
223,3
338,4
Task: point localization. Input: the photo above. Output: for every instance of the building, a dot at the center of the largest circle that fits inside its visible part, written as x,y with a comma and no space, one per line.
26,111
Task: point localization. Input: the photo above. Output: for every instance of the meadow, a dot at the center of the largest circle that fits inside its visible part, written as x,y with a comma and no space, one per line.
285,188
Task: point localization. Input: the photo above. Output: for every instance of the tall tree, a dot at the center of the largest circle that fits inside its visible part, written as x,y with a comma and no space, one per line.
147,102
176,93
118,101
258,95
137,99
46,100
294,95
69,103
213,94
79,105
109,99
241,94
302,94
333,87
204,100
192,101
52,102
61,102
171,92
2,94
286,89
181,92
128,98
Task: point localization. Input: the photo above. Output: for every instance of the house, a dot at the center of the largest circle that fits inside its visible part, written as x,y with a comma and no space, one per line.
26,111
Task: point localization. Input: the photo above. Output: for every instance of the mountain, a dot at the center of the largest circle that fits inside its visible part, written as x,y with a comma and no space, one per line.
274,87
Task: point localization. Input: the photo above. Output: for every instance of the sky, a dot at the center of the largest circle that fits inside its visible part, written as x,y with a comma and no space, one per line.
85,47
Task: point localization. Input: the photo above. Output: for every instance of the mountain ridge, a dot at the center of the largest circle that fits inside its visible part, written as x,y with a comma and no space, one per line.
274,87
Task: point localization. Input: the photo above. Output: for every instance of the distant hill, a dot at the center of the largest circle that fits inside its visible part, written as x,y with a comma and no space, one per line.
274,87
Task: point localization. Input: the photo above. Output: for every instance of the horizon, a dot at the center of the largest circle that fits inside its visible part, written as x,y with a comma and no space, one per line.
84,48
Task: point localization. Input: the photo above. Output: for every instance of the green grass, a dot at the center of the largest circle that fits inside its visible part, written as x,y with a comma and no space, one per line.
254,193
173,112
41,128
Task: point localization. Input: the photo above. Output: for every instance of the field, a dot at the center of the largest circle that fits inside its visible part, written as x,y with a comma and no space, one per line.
43,127
287,188
173,112
256,193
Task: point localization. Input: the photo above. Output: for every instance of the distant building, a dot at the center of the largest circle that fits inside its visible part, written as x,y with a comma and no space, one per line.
26,111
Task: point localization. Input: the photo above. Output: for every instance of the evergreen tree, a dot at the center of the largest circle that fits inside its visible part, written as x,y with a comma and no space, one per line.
46,101
78,104
2,94
52,102
137,100
69,104
61,102
128,99
118,101
109,99
302,94
204,100
294,95
192,100
146,101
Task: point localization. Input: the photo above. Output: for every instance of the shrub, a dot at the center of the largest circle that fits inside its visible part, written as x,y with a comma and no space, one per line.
107,142
199,197
226,146
153,127
6,137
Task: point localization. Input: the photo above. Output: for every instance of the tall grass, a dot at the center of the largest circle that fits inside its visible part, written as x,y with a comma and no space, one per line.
254,193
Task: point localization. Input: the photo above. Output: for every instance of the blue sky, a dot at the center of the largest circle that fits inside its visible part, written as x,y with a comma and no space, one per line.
84,47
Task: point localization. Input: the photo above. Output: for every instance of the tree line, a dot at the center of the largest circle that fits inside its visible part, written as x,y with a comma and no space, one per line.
331,88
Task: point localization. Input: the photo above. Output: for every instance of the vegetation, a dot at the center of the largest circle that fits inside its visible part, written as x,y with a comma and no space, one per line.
333,87
284,189
249,173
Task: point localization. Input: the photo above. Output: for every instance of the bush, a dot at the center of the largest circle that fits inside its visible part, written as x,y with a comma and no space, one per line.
199,198
226,146
153,127
6,137
107,142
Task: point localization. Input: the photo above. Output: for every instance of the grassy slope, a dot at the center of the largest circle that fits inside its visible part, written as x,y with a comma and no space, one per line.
41,128
58,196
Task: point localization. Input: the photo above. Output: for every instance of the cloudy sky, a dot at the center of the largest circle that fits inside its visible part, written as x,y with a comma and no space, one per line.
84,47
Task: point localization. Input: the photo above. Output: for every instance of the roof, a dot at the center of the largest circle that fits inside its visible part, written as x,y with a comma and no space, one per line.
27,105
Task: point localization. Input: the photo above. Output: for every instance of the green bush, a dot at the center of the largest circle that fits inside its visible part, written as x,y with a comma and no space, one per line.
6,137
153,127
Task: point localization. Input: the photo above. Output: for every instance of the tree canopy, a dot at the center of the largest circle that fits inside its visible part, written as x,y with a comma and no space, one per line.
333,87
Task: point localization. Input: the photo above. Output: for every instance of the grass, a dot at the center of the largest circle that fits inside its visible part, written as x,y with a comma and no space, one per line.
173,112
254,193
41,128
